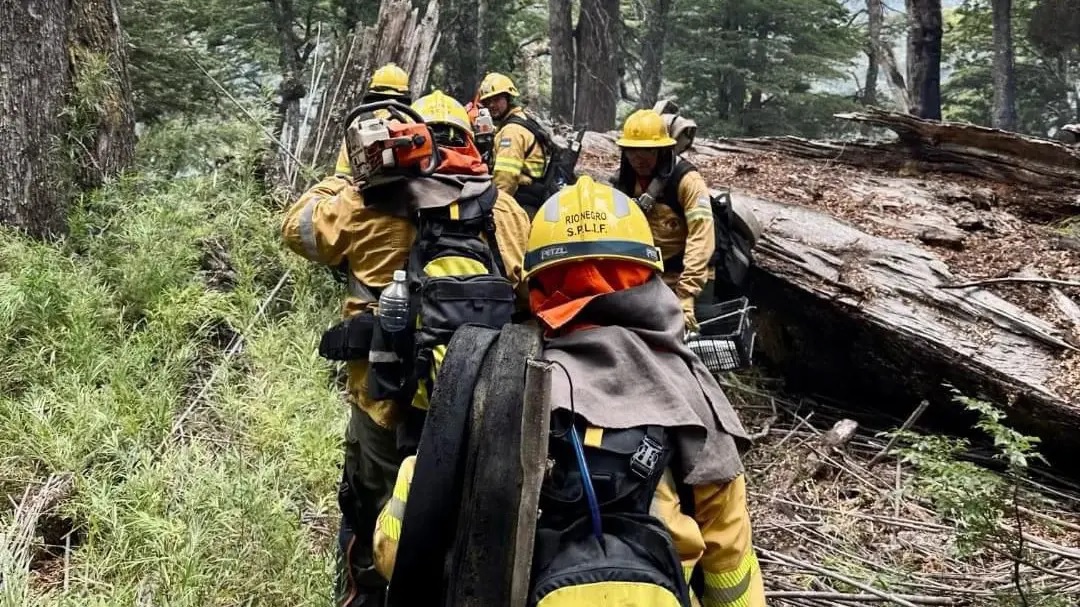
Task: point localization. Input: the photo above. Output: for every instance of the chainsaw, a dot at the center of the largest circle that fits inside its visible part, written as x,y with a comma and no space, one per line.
387,141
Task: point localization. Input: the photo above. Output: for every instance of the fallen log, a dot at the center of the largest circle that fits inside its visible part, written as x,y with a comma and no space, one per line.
851,282
981,151
927,145
865,319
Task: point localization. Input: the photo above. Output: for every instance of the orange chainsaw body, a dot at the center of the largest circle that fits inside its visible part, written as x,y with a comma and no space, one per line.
408,146
387,148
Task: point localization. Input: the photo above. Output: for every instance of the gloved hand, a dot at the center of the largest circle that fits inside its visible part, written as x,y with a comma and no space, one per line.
687,304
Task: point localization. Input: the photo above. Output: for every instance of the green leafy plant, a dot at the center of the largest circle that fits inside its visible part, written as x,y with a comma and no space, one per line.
984,505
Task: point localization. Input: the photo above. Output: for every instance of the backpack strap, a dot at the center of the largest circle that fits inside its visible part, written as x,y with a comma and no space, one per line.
663,189
487,209
539,137
671,183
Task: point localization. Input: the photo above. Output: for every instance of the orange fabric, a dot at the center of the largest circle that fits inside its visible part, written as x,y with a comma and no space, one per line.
559,293
461,161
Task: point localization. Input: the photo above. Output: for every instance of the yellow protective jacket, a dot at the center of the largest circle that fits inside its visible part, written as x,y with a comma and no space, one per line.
519,159
693,238
330,223
718,536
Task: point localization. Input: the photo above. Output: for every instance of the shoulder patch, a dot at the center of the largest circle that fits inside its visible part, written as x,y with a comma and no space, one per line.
505,142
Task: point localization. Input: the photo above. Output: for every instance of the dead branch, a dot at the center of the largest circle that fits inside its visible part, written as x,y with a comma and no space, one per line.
908,423
17,541
858,598
790,560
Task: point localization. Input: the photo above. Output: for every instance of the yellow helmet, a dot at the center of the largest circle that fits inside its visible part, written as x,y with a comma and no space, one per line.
389,79
589,220
645,129
497,84
440,108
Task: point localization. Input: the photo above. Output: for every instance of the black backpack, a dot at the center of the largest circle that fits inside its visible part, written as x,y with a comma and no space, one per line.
601,541
733,255
455,277
559,166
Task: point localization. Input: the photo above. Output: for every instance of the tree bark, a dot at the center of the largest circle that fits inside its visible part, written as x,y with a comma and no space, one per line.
652,50
561,32
905,331
34,78
281,170
1004,72
291,89
876,18
937,146
400,35
462,57
597,65
904,337
924,57
106,102
64,94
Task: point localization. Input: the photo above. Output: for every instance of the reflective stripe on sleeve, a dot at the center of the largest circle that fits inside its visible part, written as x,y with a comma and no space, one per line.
307,227
509,165
699,214
731,589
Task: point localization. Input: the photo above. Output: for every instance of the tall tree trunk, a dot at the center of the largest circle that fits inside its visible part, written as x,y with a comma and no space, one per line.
280,168
1004,74
291,89
34,79
924,58
64,93
652,50
876,17
462,52
597,65
104,99
561,32
486,31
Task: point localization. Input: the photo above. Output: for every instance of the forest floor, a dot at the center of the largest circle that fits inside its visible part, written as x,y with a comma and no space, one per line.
170,437
843,516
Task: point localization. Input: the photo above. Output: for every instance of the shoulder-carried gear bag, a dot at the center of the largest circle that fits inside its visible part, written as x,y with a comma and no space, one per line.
596,542
455,278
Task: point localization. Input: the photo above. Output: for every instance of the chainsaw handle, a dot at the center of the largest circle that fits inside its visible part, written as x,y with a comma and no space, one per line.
396,108
435,160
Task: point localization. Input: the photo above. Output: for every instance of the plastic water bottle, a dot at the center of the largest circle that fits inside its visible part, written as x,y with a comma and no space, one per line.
394,304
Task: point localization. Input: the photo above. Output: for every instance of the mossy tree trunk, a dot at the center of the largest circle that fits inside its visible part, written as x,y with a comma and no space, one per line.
66,114
924,58
652,50
104,112
464,54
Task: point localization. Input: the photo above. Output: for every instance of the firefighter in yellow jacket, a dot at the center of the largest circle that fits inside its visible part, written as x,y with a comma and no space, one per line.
519,157
612,324
676,202
332,223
